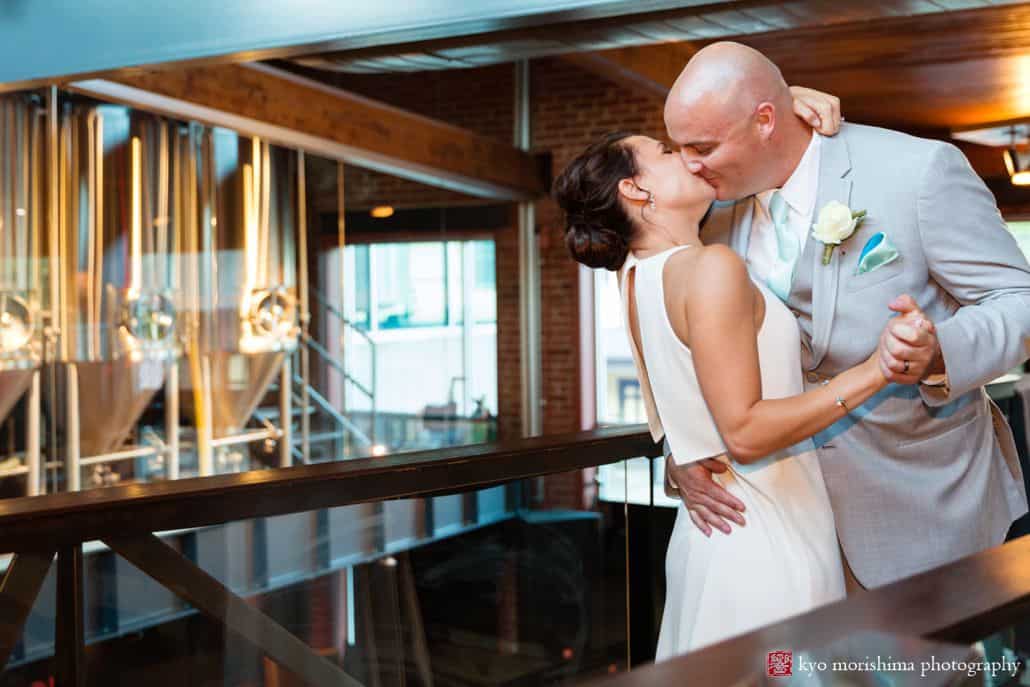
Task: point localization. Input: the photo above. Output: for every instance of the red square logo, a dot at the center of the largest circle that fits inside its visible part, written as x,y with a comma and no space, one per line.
779,664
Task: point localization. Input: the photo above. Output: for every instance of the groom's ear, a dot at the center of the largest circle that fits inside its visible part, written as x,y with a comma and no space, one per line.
629,189
765,118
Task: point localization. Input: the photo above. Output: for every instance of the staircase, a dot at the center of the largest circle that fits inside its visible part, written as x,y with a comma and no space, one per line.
321,431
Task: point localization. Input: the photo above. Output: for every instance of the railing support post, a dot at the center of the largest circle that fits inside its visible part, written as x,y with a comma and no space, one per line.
71,671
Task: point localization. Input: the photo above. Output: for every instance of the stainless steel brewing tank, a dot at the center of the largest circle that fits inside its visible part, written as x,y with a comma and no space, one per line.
245,305
118,178
22,229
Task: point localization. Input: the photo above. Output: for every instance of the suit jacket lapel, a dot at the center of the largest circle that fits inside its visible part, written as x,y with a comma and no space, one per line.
834,184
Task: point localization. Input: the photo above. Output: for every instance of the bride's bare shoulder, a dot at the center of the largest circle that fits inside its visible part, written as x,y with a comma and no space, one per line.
708,268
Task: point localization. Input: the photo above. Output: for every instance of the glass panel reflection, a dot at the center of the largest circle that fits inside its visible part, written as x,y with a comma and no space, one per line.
522,583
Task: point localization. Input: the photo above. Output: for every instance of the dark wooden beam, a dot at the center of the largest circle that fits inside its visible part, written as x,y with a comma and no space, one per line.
18,592
926,75
202,591
297,112
70,644
944,70
647,69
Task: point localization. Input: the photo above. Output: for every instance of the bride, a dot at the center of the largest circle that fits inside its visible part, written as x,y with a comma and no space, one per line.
721,356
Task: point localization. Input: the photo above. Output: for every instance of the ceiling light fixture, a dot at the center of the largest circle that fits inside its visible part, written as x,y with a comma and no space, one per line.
1017,164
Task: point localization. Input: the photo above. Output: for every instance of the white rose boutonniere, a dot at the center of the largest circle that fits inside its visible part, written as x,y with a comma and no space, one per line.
836,223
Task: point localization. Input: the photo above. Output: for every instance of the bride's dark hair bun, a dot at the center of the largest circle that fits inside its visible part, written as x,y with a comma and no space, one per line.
597,228
596,246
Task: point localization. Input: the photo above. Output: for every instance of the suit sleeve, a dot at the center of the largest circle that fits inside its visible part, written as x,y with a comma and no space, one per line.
972,255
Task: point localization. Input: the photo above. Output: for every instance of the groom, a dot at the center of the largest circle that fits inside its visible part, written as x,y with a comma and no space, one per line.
925,472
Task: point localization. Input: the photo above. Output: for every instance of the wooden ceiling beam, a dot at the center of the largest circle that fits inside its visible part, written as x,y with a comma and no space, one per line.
297,112
927,74
647,69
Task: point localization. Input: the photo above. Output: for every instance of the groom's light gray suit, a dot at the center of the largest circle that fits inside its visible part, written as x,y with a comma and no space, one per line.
917,476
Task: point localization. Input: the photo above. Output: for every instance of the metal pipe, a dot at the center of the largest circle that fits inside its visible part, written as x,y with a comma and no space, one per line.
205,440
32,458
53,214
468,272
35,163
52,461
115,456
285,413
72,465
305,309
172,420
247,437
529,270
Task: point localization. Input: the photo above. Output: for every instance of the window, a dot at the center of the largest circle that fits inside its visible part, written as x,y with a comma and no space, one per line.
421,284
618,391
484,289
619,401
356,295
410,284
413,299
1021,230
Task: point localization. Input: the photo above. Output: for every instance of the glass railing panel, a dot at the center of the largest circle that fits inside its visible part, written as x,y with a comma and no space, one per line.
520,583
30,658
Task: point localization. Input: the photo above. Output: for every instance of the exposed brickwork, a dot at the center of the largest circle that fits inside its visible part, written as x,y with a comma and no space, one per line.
479,100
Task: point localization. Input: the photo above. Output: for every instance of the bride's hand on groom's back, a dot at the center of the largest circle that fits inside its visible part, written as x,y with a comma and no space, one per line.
708,503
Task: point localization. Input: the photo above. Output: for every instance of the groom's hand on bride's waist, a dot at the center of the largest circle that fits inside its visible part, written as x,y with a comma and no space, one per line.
909,350
708,503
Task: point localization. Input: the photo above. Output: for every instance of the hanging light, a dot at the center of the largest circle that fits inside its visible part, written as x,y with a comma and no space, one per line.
1019,177
1016,164
1019,173
382,211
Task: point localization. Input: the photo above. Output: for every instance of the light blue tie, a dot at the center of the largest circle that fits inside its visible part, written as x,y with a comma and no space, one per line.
781,273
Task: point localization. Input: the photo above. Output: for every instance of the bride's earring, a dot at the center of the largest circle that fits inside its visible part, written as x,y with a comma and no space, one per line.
650,200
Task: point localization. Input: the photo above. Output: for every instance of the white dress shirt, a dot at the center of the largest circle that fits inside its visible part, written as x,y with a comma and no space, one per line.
800,194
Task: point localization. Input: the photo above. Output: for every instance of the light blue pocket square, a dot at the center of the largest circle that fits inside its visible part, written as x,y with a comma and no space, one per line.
877,252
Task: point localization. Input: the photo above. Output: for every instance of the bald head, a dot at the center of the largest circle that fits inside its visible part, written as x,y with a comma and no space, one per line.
730,113
728,80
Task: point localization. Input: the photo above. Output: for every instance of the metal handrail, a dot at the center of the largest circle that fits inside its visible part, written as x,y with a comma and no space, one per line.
336,312
327,407
333,362
332,309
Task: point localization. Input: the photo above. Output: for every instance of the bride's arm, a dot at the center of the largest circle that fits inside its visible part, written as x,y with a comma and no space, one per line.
820,110
723,341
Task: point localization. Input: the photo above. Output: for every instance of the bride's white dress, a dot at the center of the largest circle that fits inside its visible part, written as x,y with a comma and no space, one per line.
786,560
